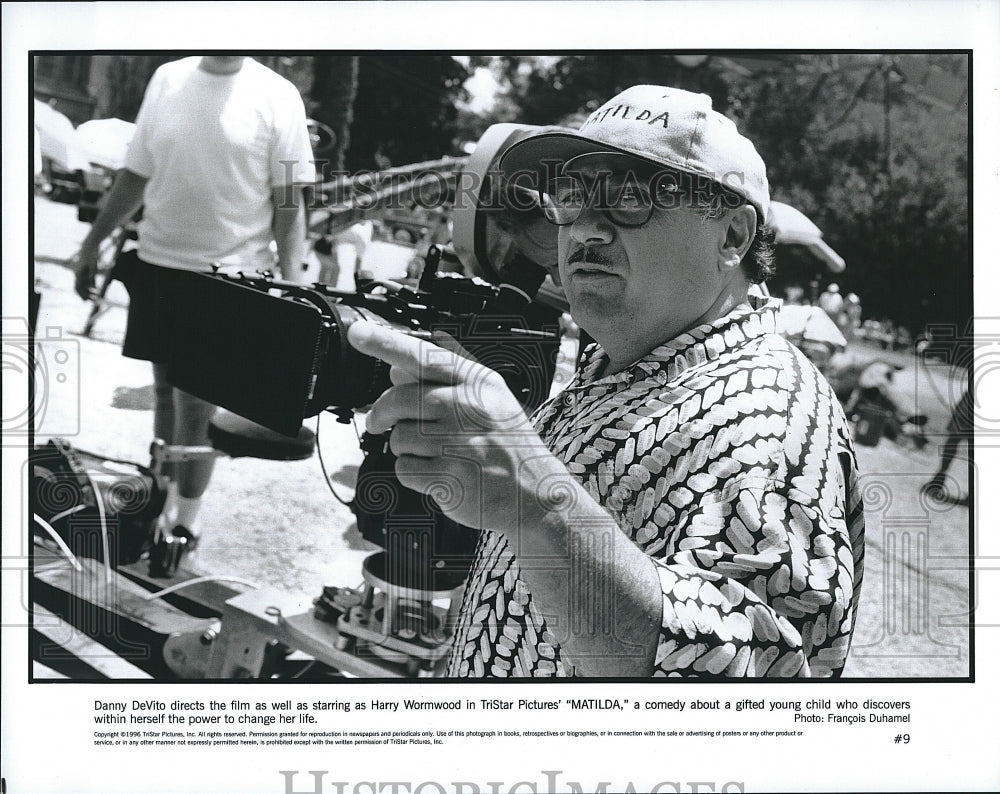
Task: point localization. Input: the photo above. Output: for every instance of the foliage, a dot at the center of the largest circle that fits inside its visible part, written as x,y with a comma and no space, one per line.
551,91
405,110
127,79
297,69
882,171
334,89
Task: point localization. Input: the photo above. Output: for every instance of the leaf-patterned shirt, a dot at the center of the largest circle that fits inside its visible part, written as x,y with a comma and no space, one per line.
725,456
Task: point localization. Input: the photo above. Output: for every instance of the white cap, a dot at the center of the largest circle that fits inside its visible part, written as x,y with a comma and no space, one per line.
664,126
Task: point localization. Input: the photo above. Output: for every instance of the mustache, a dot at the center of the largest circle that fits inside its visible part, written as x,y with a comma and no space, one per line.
590,256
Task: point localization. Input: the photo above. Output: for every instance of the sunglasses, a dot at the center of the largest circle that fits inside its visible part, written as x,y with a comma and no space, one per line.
625,201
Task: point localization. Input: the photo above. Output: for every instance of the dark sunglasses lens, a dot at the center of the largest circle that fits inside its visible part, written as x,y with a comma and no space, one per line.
625,204
563,202
629,204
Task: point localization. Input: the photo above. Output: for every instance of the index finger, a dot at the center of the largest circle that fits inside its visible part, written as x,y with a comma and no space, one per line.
423,360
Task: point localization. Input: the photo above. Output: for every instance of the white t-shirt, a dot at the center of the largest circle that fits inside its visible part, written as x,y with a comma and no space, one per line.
213,148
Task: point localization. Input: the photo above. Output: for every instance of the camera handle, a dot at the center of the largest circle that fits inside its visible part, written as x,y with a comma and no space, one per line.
521,281
425,549
431,263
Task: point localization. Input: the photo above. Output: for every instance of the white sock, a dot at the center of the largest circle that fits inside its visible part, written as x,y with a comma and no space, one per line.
186,514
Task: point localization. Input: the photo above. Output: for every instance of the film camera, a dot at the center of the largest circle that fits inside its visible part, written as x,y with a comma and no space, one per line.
276,353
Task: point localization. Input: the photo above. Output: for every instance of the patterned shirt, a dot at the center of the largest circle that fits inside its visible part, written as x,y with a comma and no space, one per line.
725,456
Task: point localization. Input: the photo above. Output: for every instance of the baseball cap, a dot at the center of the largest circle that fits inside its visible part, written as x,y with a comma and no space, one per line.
664,126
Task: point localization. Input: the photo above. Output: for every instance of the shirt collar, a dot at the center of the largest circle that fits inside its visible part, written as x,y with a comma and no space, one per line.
752,319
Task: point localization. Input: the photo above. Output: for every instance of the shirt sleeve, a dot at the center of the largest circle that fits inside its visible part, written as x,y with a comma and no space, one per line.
138,157
291,152
757,585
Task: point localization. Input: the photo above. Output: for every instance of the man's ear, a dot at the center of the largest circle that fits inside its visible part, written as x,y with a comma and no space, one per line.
740,232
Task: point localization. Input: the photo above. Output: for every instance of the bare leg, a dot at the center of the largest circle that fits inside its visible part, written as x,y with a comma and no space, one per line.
192,418
181,418
163,412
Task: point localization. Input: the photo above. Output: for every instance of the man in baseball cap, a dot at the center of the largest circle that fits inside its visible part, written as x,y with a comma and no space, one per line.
666,128
688,504
644,153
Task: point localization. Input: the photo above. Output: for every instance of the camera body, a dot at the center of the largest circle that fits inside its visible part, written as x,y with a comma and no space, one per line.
276,353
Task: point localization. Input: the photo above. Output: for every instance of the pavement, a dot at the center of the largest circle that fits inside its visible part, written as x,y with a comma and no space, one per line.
279,525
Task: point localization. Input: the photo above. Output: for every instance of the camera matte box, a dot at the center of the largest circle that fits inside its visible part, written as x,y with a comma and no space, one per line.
248,351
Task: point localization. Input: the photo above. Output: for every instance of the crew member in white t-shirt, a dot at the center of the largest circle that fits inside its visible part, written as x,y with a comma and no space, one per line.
219,157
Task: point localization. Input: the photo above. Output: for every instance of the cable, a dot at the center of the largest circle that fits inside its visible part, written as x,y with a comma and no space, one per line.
59,541
322,465
304,670
105,545
152,596
69,512
198,580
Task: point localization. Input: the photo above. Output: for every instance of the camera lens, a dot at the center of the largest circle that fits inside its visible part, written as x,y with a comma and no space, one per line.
348,379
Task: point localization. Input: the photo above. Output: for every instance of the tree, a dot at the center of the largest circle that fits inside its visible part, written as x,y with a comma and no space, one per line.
335,86
405,110
545,90
297,69
882,168
127,78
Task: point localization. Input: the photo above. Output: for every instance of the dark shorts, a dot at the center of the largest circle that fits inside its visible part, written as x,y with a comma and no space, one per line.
156,296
